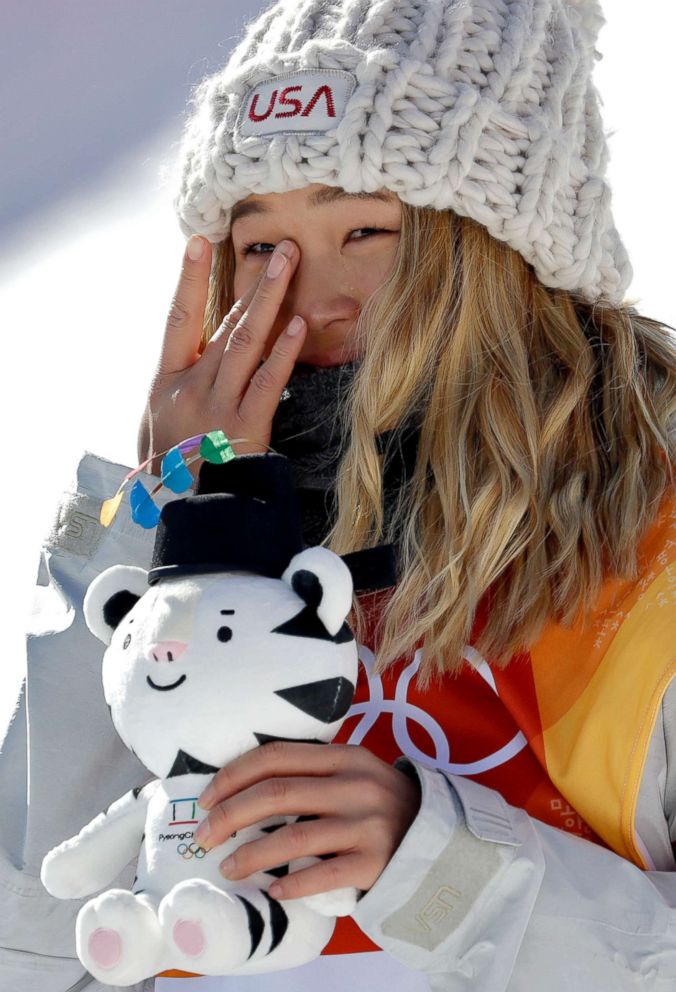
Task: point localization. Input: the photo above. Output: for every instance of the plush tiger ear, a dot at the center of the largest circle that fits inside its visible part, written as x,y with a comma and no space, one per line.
324,582
110,596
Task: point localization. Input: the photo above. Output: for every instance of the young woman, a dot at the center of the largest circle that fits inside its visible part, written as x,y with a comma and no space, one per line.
429,181
466,382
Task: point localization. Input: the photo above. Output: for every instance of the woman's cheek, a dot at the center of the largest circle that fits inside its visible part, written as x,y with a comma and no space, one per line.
372,269
245,275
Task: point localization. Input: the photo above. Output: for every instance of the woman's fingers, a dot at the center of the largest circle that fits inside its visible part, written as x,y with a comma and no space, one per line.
347,870
336,837
267,385
281,758
183,330
215,346
246,343
291,796
297,840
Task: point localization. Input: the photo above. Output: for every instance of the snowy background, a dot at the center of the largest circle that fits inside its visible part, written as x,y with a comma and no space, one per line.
92,97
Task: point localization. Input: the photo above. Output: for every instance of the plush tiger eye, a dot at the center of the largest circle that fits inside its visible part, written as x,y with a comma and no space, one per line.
127,641
224,634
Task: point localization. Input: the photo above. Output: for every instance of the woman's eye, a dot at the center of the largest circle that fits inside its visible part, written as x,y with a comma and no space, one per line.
249,249
370,231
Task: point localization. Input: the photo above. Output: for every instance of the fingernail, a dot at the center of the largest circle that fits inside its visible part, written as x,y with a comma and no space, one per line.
275,890
295,327
227,865
278,260
195,247
202,832
207,797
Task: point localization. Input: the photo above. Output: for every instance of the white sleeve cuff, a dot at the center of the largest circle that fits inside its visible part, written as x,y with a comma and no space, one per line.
457,894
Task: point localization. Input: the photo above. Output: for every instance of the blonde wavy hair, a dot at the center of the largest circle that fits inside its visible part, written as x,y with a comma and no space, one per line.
545,450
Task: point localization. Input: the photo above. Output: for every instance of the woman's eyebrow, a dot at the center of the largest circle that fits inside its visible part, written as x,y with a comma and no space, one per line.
328,194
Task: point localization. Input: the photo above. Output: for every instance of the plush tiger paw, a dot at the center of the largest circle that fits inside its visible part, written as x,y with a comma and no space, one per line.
207,928
118,938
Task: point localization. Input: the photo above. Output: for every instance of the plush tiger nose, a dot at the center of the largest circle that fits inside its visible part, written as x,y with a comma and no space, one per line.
167,650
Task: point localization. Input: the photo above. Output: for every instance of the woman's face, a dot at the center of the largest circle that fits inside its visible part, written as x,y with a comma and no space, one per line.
344,258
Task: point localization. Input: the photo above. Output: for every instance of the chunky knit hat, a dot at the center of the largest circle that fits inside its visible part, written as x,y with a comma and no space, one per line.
484,107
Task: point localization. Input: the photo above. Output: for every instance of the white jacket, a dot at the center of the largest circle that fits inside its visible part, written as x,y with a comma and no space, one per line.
478,896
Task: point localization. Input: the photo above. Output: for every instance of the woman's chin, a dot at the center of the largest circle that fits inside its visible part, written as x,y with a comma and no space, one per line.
329,358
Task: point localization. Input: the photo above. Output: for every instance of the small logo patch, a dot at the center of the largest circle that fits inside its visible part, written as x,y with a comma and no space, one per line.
77,528
309,100
438,907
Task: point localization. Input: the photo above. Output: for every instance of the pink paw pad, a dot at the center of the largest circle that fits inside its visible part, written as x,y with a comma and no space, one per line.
105,946
189,937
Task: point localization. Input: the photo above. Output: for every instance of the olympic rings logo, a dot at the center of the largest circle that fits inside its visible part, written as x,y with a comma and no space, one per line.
189,851
404,712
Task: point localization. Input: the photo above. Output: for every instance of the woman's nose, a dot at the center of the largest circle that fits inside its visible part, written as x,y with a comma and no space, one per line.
320,291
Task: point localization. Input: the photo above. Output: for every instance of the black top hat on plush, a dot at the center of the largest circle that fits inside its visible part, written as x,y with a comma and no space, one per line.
242,517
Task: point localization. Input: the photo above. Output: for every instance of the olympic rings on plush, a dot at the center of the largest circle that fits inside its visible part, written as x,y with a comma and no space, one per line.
189,851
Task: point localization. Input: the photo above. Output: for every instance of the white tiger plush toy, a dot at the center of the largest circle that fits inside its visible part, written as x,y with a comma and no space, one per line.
228,647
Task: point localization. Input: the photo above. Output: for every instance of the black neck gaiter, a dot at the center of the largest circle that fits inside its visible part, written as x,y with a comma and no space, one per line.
307,428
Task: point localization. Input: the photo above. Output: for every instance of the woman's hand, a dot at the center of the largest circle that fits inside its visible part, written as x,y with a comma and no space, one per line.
363,808
224,387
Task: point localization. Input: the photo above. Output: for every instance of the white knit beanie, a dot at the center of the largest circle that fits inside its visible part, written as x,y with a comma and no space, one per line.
484,107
